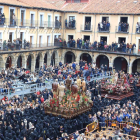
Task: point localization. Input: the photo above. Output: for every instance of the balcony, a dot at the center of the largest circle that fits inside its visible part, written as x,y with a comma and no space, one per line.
12,47
32,24
42,24
23,23
70,25
57,24
122,29
50,24
86,28
3,22
105,29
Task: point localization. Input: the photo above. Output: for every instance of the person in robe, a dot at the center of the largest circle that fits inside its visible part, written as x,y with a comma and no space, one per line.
68,83
78,83
55,86
61,90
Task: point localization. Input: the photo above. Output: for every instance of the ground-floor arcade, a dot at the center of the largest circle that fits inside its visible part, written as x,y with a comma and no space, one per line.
35,59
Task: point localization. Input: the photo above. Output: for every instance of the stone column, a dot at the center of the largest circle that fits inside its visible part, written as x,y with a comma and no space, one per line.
48,60
2,65
14,63
77,59
23,63
129,68
32,66
56,61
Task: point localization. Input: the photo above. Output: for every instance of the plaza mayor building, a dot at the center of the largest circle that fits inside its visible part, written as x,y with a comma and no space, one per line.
48,26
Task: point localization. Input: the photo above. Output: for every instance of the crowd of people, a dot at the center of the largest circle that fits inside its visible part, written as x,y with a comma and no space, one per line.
2,18
123,27
70,24
16,44
102,45
25,118
104,26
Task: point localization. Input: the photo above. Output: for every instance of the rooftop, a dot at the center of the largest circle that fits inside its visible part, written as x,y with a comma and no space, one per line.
91,7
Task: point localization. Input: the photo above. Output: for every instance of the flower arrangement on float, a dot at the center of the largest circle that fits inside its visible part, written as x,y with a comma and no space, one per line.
70,103
111,88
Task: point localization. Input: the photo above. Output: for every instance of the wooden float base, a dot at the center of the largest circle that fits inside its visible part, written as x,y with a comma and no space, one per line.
117,97
69,114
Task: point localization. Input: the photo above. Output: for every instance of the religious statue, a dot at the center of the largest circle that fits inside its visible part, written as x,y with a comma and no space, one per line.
74,88
55,86
61,89
78,82
68,83
122,75
83,85
116,76
113,78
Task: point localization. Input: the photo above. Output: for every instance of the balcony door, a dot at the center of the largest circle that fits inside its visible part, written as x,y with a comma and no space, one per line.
49,20
48,40
32,20
22,18
11,16
31,40
40,41
41,20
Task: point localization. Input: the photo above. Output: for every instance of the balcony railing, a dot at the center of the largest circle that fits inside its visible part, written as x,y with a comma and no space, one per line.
86,28
122,29
105,29
42,24
50,24
70,25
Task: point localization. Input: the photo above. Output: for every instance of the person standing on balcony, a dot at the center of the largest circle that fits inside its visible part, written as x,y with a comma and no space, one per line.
83,42
107,26
86,26
78,43
122,27
134,45
101,26
104,26
14,19
73,43
73,23
130,48
127,47
119,28
65,23
25,43
17,44
127,26
137,27
89,25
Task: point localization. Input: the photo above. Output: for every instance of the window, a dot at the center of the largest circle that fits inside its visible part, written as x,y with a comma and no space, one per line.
22,20
121,39
106,19
12,20
103,38
49,21
32,18
124,19
41,20
87,25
